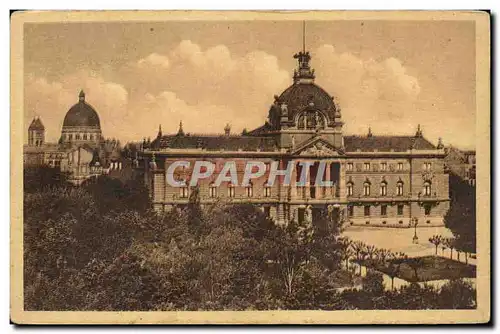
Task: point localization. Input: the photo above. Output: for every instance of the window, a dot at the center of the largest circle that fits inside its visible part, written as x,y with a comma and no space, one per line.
267,190
400,188
350,211
213,190
77,136
84,136
249,189
400,222
367,210
367,166
428,221
427,188
384,222
350,187
350,166
184,192
383,210
366,189
367,222
383,188
400,209
230,190
427,210
427,166
383,166
70,137
91,137
400,166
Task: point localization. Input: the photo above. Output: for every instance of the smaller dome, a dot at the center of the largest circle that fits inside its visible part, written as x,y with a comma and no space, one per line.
82,114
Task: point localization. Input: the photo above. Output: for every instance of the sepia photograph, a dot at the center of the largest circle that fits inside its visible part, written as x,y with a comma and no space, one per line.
250,167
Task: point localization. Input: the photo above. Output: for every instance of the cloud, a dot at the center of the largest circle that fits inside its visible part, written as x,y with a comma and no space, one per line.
380,94
52,99
207,88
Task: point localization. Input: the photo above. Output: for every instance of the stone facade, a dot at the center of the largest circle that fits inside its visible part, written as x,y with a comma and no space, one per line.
377,180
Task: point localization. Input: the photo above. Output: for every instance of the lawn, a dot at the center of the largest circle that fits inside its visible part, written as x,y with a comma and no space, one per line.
430,268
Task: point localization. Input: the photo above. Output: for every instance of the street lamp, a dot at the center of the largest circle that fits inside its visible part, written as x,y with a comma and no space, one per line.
414,223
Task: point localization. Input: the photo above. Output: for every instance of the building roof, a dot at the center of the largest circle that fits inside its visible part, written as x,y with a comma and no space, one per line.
36,124
386,143
82,114
299,95
216,142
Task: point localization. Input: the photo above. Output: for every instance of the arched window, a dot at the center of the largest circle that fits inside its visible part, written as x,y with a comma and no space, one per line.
249,189
77,136
400,188
383,188
230,190
84,136
427,188
350,188
366,188
91,137
311,120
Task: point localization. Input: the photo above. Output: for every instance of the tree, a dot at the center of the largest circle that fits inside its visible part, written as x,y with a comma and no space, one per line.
415,263
457,294
394,265
373,283
450,243
358,247
436,240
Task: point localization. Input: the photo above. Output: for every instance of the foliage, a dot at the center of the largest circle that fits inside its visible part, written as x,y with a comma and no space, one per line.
98,247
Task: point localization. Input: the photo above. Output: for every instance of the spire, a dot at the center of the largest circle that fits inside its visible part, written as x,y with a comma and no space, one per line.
159,131
227,129
440,144
181,131
81,96
419,132
370,134
304,73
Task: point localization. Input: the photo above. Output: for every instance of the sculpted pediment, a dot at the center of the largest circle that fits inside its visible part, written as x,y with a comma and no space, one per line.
319,148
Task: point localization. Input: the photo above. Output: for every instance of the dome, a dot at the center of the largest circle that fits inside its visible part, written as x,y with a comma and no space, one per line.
301,95
82,114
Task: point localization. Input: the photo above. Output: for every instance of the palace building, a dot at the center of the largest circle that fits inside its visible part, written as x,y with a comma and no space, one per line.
376,180
81,151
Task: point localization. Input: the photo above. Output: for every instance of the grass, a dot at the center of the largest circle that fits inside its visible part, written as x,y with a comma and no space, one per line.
432,268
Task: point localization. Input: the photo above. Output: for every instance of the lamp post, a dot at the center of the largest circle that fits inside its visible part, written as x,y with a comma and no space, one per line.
414,223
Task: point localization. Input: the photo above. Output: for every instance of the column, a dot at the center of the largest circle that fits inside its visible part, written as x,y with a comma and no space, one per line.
342,186
327,190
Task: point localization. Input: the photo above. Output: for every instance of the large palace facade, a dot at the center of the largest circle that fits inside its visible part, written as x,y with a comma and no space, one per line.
376,180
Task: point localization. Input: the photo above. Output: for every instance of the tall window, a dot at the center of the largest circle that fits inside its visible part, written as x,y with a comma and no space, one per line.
400,166
383,166
383,210
84,136
267,190
184,192
383,188
230,190
367,210
70,137
366,189
91,137
400,209
350,210
367,166
249,189
77,136
350,166
427,166
350,187
427,188
212,190
427,209
400,188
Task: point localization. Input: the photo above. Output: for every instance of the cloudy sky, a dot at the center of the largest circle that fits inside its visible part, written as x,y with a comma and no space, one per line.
390,75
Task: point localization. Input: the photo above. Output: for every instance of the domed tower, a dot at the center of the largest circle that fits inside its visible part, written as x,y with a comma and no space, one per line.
305,110
81,124
36,133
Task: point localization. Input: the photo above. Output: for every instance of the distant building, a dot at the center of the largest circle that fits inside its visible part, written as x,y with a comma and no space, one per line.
81,150
377,180
462,163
